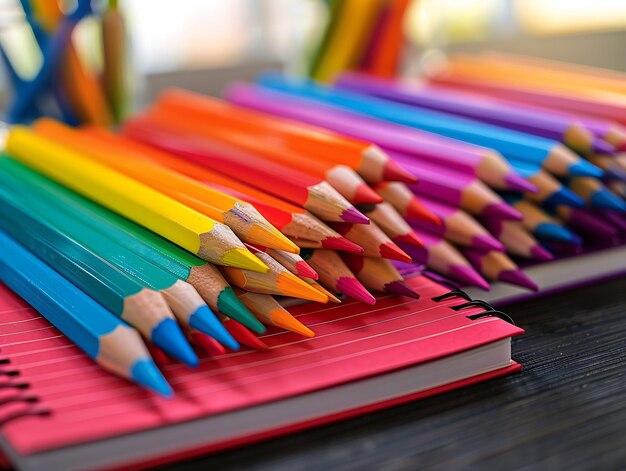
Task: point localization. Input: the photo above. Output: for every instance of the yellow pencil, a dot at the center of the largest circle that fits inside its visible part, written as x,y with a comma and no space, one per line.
176,222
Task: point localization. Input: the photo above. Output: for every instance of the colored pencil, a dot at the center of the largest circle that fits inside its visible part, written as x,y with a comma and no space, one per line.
114,76
591,227
200,235
122,295
496,266
458,189
542,123
270,312
517,241
367,159
206,343
488,164
292,262
388,46
542,225
458,227
550,191
188,307
405,202
278,281
596,194
444,258
86,323
335,275
374,241
385,216
298,188
242,335
378,274
511,144
345,180
204,277
613,168
291,220
331,296
241,217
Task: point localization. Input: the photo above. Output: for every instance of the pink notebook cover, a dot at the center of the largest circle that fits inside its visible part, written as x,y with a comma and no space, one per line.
353,341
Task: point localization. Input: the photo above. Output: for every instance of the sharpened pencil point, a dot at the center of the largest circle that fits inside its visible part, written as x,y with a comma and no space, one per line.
206,322
516,182
519,278
539,253
243,258
502,211
416,210
305,270
393,252
291,285
393,172
582,168
486,243
343,244
269,236
169,338
208,344
401,288
228,303
365,195
354,216
146,373
284,320
564,197
548,230
354,289
604,199
411,238
243,335
600,146
468,276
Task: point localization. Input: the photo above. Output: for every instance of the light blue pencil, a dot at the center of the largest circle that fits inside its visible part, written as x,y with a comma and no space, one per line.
103,337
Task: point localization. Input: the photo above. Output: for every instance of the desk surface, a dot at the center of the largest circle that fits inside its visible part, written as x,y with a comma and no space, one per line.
566,410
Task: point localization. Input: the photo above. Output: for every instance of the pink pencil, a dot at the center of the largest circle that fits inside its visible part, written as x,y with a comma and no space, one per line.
496,266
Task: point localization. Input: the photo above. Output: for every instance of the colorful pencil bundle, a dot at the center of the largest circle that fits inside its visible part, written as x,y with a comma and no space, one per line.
66,85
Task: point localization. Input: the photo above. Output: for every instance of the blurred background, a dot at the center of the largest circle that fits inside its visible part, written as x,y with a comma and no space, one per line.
203,44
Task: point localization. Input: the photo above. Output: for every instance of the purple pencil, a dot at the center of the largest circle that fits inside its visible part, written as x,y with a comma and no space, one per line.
489,165
496,266
542,123
592,228
517,241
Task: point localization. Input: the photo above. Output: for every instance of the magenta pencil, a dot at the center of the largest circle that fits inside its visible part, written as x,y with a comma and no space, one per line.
488,164
440,256
591,227
496,266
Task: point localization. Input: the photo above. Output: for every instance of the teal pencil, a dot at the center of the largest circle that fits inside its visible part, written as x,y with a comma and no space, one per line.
144,309
106,339
186,303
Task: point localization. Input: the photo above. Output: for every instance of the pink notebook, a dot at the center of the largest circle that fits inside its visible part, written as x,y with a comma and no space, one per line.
59,410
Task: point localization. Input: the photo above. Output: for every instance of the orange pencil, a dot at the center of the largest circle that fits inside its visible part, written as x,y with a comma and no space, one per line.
367,159
386,56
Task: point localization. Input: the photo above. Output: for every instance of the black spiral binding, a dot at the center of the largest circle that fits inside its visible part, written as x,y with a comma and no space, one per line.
455,292
21,395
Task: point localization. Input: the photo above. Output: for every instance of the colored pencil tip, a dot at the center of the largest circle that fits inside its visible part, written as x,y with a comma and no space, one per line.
516,182
284,320
341,243
416,210
410,238
614,173
206,322
401,288
502,211
517,277
354,216
551,231
604,199
291,285
305,270
243,258
539,253
393,172
269,236
582,168
486,243
146,373
228,303
393,252
600,146
365,195
243,335
468,276
169,338
208,344
354,289
565,197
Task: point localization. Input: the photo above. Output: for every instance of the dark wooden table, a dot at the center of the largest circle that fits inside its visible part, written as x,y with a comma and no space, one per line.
565,411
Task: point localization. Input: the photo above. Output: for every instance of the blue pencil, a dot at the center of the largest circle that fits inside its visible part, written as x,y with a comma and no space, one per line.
103,337
549,154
